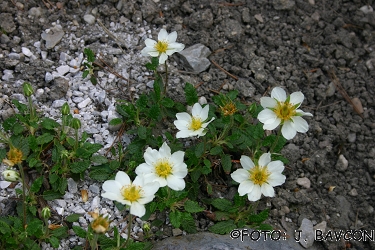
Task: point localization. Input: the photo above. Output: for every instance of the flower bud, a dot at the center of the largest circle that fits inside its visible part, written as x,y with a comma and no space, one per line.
76,123
46,213
14,156
27,89
100,224
146,227
65,110
11,175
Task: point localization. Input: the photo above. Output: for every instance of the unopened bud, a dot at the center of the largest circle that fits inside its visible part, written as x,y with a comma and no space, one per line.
11,175
65,110
46,213
100,224
76,123
27,89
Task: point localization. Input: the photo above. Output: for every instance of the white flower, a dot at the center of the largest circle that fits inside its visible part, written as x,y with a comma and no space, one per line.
163,167
256,180
11,175
280,109
192,125
134,194
164,47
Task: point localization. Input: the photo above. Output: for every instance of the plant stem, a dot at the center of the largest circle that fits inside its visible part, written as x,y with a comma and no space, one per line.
23,195
166,78
277,139
129,230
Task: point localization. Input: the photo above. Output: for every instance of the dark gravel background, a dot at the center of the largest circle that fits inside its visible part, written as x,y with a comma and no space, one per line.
296,44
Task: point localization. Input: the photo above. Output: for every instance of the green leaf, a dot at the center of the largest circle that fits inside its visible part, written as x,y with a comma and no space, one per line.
50,195
226,163
222,204
89,54
54,241
79,231
4,227
195,174
115,121
49,124
37,184
73,217
61,232
44,138
153,64
175,218
18,129
192,207
167,102
63,185
188,223
99,159
199,149
9,123
190,94
3,154
265,227
93,80
35,228
258,218
142,132
141,103
216,150
85,74
32,210
88,149
79,166
154,112
223,227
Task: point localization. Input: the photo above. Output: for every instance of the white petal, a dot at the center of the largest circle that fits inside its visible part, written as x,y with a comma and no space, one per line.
183,117
146,199
163,35
175,183
181,172
162,181
137,209
163,57
267,116
181,125
255,193
183,134
113,197
300,112
172,37
273,125
288,131
196,110
177,158
275,166
268,102
112,186
144,168
150,188
297,98
245,187
246,162
276,179
204,113
122,178
150,43
139,180
264,159
165,151
267,190
300,124
176,47
151,156
279,94
204,125
240,175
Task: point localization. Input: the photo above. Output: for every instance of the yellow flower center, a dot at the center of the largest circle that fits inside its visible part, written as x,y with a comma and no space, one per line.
196,123
131,192
163,168
14,155
285,110
161,46
259,175
228,109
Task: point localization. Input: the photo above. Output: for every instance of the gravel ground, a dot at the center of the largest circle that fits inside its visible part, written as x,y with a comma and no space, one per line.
300,45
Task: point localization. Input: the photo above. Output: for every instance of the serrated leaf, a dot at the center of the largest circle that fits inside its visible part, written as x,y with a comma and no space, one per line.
63,185
79,166
87,149
195,174
54,241
153,65
226,163
199,150
4,227
141,103
265,227
189,223
73,217
18,129
44,138
89,54
142,132
175,218
85,74
49,124
192,207
37,184
222,204
115,121
51,195
223,227
35,227
258,218
79,231
167,102
216,150
60,232
190,94
154,112
99,159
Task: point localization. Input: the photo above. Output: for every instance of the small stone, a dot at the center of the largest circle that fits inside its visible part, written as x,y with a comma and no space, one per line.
366,9
95,203
342,163
84,103
58,103
78,210
306,233
259,18
26,52
194,58
53,36
176,231
59,210
72,186
202,100
35,11
353,192
62,70
61,203
304,182
94,189
322,226
357,105
90,19
352,137
283,4
331,89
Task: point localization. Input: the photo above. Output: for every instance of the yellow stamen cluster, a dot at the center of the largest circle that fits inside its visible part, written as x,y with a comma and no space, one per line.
161,46
285,110
163,168
196,123
131,192
14,156
100,224
259,175
228,109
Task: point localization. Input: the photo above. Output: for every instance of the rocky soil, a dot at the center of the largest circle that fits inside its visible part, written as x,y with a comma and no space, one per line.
322,48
